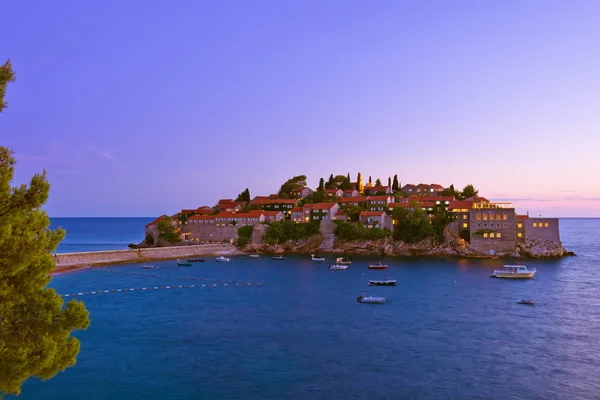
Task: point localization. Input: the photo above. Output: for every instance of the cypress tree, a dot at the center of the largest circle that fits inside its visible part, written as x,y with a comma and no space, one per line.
395,184
389,182
321,184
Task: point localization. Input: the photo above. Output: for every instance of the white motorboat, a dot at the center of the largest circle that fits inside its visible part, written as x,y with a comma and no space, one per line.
278,258
254,255
338,266
370,299
528,302
222,259
513,272
147,266
343,261
312,257
385,282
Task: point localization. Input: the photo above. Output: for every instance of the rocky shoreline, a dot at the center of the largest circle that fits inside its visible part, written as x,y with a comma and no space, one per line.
450,247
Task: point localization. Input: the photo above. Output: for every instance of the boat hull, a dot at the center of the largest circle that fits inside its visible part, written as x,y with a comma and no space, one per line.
338,267
184,264
508,275
377,266
371,300
382,283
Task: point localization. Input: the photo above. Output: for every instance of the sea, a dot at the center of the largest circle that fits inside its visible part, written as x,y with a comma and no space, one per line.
258,328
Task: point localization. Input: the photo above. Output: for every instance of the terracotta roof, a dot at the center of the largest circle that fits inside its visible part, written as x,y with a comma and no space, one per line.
427,204
271,213
350,190
187,211
436,186
395,205
296,209
461,204
308,206
522,216
383,197
355,199
156,221
377,188
478,199
324,205
340,212
273,201
430,198
251,214
273,196
409,185
371,213
331,190
226,201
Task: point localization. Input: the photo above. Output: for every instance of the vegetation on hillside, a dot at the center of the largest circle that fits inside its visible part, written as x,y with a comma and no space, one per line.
244,196
168,232
282,231
244,235
355,231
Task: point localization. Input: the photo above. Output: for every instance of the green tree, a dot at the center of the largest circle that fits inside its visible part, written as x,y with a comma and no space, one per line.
412,224
6,75
149,239
330,183
378,182
287,189
468,191
389,182
395,186
35,324
321,184
168,232
359,182
450,191
244,196
353,212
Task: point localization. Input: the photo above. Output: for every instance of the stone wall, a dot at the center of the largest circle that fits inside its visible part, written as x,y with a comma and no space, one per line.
486,224
541,228
211,232
140,255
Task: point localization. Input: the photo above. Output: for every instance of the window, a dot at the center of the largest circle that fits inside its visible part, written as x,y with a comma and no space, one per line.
498,235
485,217
276,205
506,225
491,235
479,225
535,224
545,224
316,217
498,216
465,216
519,225
519,234
485,225
504,217
465,225
478,217
498,226
485,235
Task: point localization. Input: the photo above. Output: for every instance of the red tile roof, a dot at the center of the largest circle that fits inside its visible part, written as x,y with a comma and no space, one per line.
202,217
377,188
296,209
340,212
331,190
308,206
478,199
156,221
383,197
274,201
395,205
430,198
461,204
186,211
324,206
371,213
271,213
522,216
436,186
355,199
350,190
250,214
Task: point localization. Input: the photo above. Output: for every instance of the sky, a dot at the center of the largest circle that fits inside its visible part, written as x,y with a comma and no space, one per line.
139,108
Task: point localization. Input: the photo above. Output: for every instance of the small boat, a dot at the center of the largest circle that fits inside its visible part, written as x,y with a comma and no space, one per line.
147,266
529,302
377,266
222,259
338,266
312,257
386,282
370,299
343,261
513,272
278,258
193,260
183,263
254,255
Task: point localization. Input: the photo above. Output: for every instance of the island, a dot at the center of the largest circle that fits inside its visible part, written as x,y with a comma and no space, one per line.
345,217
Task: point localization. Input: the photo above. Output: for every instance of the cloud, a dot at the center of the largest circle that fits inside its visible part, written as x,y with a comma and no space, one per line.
100,153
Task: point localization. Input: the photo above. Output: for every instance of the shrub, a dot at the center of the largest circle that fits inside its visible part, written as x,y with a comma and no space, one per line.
355,231
244,235
149,239
282,231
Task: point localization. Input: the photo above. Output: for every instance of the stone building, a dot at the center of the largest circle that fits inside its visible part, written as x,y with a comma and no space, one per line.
538,228
375,219
493,230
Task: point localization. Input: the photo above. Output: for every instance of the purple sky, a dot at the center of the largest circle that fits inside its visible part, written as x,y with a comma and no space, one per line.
136,108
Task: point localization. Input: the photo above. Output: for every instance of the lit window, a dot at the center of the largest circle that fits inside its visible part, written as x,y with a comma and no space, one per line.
519,225
465,225
535,224
545,224
504,217
478,217
485,235
485,217
465,216
519,234
491,235
498,235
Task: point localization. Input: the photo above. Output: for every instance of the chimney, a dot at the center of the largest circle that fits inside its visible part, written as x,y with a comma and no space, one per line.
527,213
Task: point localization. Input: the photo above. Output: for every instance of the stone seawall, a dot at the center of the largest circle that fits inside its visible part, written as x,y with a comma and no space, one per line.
67,260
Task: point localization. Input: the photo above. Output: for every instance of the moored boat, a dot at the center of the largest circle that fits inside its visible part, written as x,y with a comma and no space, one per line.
343,261
194,260
377,266
385,282
312,257
222,259
337,266
278,258
370,299
513,272
183,263
254,255
147,266
529,302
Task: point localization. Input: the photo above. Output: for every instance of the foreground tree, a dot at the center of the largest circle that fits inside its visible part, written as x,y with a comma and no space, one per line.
244,196
395,186
450,191
35,325
378,182
6,75
287,189
167,231
468,191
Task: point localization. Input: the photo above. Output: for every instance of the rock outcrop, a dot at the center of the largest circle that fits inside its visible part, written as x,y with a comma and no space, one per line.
539,248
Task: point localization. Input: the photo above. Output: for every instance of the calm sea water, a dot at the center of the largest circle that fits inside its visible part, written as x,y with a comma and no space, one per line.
446,332
95,234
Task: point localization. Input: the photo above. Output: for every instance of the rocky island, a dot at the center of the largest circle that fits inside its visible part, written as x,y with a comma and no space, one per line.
345,217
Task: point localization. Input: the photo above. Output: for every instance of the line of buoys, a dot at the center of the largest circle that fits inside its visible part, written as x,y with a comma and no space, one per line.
189,278
162,287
